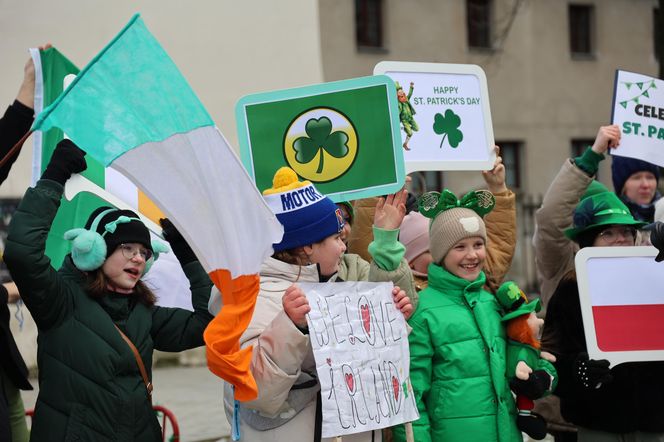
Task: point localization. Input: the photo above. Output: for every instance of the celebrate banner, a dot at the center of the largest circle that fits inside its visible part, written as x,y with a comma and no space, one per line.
638,108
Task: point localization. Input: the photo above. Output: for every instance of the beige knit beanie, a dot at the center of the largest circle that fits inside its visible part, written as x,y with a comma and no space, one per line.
450,227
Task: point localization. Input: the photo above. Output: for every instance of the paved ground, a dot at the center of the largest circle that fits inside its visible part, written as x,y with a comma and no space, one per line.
193,394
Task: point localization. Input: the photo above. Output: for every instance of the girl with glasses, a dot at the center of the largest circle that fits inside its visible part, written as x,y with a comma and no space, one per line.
90,313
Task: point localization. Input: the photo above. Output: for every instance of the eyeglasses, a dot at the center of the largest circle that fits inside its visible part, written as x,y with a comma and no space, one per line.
129,251
612,234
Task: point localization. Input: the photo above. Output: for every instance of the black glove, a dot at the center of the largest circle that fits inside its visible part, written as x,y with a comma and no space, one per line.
534,387
180,247
66,160
411,203
591,373
657,238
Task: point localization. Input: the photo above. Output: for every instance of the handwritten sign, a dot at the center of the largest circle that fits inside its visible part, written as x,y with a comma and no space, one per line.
360,344
444,115
638,108
622,303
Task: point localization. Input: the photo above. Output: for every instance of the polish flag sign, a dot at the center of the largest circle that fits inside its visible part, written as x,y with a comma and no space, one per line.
621,291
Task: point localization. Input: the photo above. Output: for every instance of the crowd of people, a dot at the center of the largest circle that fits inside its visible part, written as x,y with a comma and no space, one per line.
476,360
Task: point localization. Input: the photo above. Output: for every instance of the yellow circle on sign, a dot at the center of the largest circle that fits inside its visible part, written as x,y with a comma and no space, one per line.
332,167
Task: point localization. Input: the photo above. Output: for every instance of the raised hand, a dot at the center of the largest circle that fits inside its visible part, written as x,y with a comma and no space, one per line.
608,137
26,93
495,178
402,302
179,245
296,305
66,160
390,210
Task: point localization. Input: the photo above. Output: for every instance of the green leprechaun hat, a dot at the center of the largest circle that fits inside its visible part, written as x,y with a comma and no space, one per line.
600,209
514,301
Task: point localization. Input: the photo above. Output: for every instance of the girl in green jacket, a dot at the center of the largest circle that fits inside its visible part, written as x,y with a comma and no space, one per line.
92,385
458,344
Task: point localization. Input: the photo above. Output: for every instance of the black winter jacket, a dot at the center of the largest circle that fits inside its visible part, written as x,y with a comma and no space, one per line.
90,385
13,125
633,401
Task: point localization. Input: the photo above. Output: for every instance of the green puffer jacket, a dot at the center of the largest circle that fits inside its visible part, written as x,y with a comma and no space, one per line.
90,385
457,364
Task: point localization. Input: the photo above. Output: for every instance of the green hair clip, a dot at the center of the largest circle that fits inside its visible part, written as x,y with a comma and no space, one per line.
432,203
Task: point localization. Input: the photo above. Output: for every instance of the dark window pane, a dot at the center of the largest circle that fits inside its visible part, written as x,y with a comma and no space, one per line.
657,33
510,151
579,145
581,29
369,23
478,15
426,181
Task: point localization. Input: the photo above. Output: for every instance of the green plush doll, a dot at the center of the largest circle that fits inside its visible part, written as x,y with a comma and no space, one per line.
528,368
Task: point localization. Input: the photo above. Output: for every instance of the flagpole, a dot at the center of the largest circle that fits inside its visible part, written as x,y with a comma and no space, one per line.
16,148
410,436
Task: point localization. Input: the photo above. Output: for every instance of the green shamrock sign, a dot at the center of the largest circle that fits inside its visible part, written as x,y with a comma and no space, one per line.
448,126
320,138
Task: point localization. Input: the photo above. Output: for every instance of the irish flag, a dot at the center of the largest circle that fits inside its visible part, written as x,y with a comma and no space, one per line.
132,110
96,186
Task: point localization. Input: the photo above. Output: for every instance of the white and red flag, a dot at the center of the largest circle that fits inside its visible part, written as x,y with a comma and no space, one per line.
621,292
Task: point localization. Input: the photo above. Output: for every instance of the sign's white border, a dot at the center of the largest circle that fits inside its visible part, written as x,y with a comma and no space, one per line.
581,261
387,67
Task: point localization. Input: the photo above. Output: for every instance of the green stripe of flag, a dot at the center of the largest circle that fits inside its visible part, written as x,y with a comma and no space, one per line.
131,93
53,67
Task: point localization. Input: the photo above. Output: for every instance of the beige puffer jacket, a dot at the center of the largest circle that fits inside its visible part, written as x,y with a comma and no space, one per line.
554,253
283,358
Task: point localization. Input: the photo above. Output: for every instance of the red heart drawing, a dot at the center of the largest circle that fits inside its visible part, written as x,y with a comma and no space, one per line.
350,382
395,387
329,361
366,318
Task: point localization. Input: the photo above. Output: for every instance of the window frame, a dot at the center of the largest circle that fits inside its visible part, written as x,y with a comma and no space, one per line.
581,34
516,168
479,39
364,38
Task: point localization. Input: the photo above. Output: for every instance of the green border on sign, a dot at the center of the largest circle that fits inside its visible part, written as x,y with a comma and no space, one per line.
267,98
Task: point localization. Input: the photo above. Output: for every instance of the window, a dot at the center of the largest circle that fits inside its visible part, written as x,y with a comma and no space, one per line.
478,17
426,181
369,23
581,28
510,151
657,33
579,145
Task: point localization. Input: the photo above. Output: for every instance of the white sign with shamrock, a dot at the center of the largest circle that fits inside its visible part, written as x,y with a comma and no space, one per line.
638,108
444,115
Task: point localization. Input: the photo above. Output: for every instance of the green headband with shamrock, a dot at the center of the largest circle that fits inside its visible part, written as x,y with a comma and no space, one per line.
432,203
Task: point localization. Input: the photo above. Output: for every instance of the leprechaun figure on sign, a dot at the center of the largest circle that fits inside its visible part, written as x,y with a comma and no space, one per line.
406,112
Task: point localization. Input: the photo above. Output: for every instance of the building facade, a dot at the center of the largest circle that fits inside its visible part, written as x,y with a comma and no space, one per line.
550,66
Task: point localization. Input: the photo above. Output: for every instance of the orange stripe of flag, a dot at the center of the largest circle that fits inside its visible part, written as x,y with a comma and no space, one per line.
222,335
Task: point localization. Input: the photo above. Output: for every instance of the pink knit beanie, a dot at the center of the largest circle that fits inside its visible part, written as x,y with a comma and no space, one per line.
414,235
